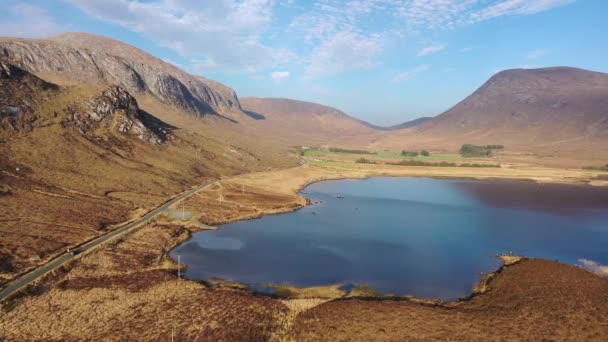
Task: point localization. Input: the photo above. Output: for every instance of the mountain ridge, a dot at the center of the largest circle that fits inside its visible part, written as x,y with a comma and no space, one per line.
84,59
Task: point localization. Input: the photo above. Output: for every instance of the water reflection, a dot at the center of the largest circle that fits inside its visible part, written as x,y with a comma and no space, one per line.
424,237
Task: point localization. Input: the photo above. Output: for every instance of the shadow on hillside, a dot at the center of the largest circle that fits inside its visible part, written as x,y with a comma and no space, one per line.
254,115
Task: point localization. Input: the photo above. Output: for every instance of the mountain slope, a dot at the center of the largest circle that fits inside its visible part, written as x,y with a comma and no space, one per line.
411,123
556,110
79,58
74,160
306,122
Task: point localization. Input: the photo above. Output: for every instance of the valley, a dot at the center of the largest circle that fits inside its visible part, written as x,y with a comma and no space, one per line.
122,156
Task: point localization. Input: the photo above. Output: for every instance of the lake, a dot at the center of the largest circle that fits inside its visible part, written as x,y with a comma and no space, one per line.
416,236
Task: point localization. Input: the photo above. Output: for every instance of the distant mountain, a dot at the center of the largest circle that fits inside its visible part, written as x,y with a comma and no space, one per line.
306,122
411,123
557,109
81,58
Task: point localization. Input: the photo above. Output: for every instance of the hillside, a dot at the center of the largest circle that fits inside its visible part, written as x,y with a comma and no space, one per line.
553,111
411,123
307,123
75,160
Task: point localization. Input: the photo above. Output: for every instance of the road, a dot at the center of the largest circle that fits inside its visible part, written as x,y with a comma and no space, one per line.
28,278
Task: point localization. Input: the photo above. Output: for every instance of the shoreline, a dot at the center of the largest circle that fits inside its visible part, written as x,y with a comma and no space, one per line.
479,287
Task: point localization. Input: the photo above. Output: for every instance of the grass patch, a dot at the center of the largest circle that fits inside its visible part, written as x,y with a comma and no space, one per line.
314,153
345,150
432,156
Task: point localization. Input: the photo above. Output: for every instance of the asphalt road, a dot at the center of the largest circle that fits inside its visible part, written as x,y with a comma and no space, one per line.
28,278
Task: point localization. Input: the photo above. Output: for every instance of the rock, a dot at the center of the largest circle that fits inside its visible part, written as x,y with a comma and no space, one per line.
115,109
83,59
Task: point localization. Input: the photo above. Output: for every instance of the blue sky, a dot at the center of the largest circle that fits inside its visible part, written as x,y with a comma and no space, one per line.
384,61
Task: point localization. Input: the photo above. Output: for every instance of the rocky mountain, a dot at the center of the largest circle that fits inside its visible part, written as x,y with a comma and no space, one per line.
112,111
87,157
80,58
556,110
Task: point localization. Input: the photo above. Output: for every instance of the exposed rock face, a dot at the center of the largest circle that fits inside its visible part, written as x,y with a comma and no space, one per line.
114,109
88,59
19,91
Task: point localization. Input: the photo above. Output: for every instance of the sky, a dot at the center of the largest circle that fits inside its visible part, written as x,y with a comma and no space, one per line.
383,61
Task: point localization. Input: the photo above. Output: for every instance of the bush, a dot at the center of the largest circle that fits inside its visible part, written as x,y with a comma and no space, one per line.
364,161
425,153
409,153
470,150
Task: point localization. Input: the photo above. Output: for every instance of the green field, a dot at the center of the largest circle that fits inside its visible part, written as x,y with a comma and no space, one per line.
316,153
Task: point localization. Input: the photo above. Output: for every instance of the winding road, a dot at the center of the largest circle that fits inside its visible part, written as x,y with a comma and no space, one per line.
36,274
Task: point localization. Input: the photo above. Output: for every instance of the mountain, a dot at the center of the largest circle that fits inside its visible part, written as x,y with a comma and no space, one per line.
556,110
411,123
81,58
76,159
306,123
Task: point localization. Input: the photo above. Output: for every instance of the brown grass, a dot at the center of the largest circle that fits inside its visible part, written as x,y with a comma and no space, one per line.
529,301
129,291
60,188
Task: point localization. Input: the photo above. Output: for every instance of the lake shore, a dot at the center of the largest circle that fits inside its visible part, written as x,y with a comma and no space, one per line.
133,281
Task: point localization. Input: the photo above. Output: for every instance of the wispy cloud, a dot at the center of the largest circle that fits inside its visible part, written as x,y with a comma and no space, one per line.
217,35
26,20
466,49
279,76
594,267
430,50
406,75
342,52
536,54
246,35
516,7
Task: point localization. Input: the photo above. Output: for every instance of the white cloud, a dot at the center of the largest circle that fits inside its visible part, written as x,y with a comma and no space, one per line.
594,267
27,20
216,35
516,7
251,35
466,49
430,50
406,75
536,54
279,76
344,51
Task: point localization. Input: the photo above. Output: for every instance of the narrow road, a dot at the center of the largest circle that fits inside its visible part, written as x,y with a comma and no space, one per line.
28,278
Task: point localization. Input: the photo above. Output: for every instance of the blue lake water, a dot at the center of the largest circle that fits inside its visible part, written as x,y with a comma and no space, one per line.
417,236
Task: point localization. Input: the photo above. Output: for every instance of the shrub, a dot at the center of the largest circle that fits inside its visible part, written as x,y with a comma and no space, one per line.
409,153
425,153
470,150
364,161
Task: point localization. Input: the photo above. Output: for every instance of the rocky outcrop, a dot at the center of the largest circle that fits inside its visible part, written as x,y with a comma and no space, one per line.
84,61
19,92
115,110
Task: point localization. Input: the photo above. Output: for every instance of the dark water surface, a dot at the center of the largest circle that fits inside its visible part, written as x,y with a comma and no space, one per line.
417,236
